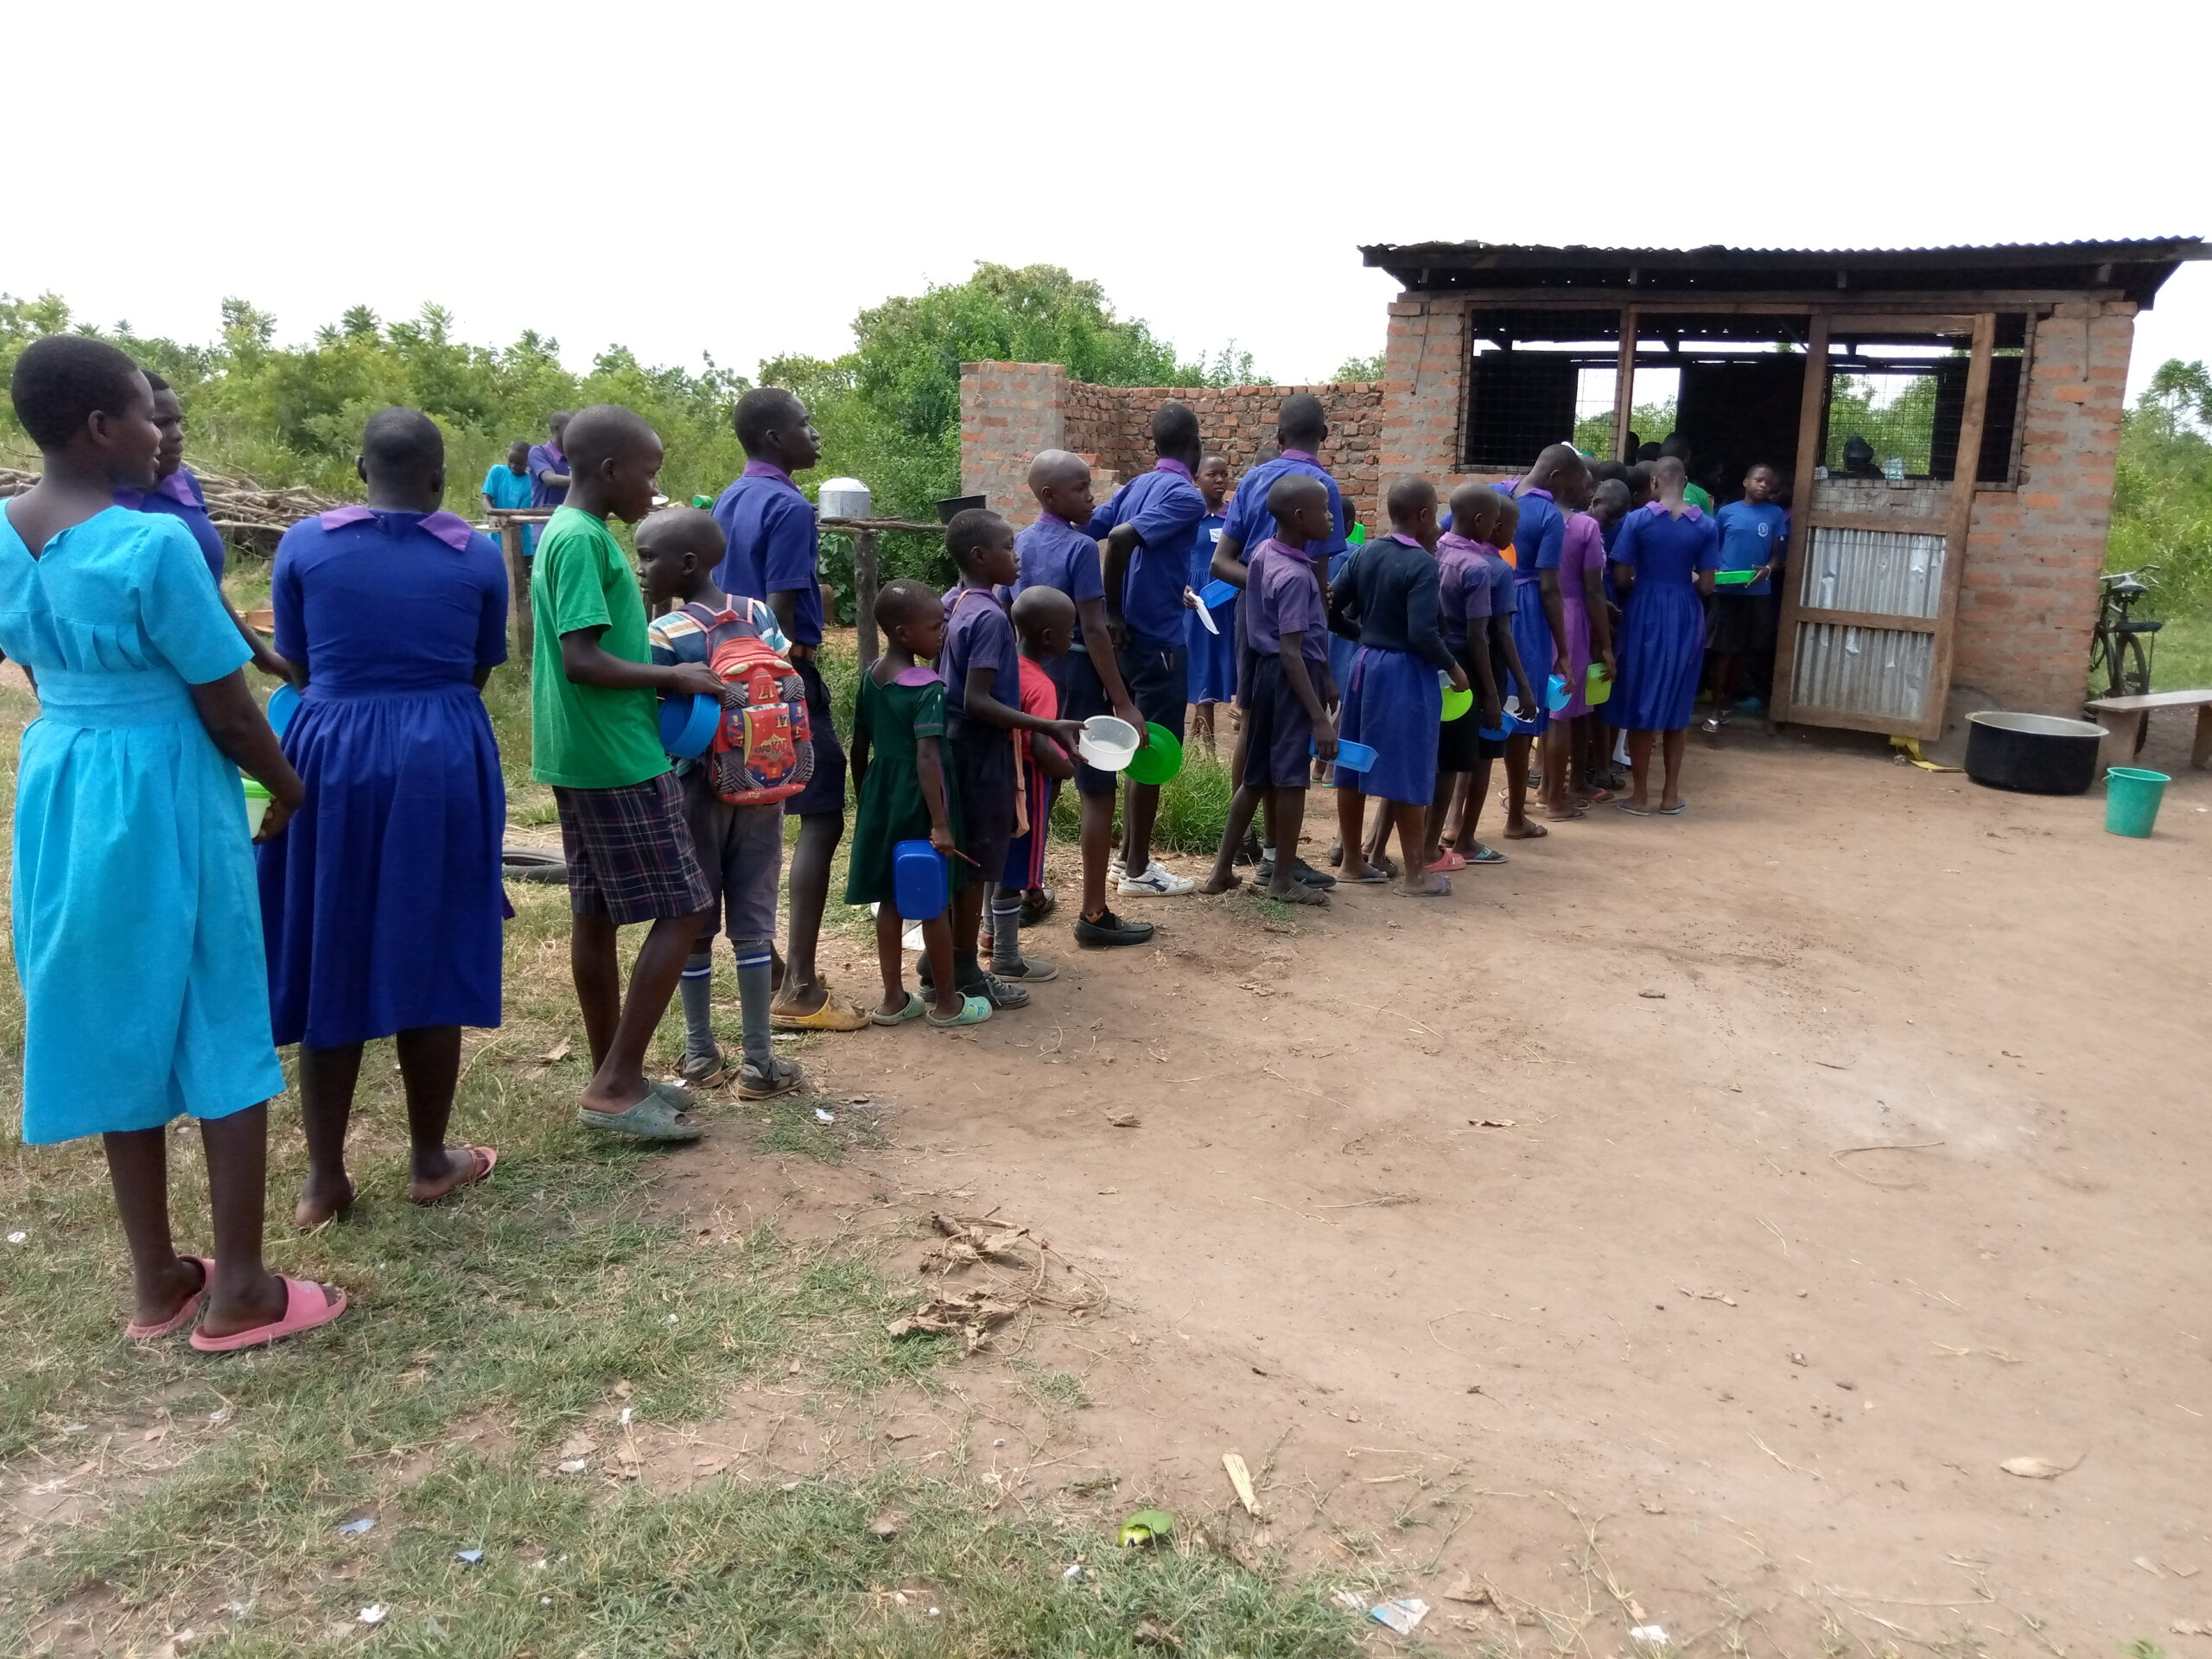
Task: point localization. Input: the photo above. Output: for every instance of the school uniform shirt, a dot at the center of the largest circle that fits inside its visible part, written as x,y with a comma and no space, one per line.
1056,553
1284,596
1752,534
1250,523
977,634
1164,507
589,736
1542,534
547,458
774,547
180,496
1463,582
1391,591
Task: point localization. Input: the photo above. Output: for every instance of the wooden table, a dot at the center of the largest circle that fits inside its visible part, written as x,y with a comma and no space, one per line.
2123,718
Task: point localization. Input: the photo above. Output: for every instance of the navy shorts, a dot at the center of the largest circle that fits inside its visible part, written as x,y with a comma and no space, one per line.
983,773
1159,678
629,853
1082,695
1278,732
741,851
825,791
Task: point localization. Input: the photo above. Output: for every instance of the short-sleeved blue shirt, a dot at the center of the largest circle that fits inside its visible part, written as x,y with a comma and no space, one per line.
1661,548
977,634
774,547
1539,536
1165,508
547,458
1054,553
504,488
376,601
180,497
1250,523
1752,534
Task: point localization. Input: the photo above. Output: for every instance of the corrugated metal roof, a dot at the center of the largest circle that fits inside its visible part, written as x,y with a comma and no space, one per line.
2136,266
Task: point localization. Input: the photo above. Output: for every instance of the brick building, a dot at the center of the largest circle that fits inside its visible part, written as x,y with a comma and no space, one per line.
1909,572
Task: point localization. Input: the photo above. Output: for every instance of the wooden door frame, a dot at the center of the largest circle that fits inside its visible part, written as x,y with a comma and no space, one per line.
1955,527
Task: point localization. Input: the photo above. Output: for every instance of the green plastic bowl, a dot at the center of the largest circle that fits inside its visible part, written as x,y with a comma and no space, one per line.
1457,704
1159,760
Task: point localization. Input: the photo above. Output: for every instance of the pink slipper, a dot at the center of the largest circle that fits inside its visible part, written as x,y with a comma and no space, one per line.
305,1308
1451,860
187,1310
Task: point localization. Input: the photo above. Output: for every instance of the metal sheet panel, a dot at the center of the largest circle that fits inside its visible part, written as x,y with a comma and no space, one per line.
1879,672
1893,572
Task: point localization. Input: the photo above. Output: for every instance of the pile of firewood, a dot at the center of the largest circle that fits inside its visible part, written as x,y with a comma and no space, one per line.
247,513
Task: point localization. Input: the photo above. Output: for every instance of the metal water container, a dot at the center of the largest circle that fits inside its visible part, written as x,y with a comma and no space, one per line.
844,498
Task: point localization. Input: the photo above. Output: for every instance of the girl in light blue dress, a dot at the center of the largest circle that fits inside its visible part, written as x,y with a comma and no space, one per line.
137,933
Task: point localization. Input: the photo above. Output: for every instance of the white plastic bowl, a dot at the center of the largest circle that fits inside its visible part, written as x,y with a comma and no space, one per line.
1108,743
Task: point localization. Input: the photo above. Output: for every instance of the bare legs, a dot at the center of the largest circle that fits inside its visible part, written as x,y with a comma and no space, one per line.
1517,827
802,991
619,1027
890,958
429,1068
1675,744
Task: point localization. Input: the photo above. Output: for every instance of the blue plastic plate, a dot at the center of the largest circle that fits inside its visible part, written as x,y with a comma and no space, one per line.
686,725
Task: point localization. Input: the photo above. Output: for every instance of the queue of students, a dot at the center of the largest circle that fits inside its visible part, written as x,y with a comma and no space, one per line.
370,905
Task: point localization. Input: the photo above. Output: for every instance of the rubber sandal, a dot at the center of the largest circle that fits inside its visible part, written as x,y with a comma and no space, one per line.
1373,878
1670,811
305,1308
1450,861
1442,891
783,1076
652,1118
485,1159
1633,812
835,1015
187,1310
915,1010
1483,855
972,1012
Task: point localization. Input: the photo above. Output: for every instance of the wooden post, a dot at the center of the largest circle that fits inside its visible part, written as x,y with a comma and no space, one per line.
511,542
864,585
1812,409
1624,384
1965,473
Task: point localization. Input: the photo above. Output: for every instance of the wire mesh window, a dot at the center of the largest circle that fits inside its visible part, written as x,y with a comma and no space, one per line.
1902,419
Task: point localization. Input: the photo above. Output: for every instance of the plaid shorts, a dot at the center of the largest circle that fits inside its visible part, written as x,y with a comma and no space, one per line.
629,852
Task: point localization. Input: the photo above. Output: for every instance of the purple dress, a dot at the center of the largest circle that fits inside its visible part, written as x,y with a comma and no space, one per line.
1583,551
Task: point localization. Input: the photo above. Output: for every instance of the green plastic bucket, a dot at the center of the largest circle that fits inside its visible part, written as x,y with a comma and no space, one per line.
2131,797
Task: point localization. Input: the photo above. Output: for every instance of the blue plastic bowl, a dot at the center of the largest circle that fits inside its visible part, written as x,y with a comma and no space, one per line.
686,725
283,703
1352,757
1215,595
919,885
1556,694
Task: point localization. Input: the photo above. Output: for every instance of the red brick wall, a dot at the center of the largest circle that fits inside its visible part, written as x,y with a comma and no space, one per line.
2028,595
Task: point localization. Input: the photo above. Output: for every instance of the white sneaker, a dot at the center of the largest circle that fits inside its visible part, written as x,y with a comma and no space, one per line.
1116,870
1156,882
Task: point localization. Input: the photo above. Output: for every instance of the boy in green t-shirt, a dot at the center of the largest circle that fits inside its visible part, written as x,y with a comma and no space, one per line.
595,737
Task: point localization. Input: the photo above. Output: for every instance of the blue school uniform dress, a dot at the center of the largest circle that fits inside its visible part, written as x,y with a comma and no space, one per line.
504,488
1212,651
1391,702
776,548
1537,543
137,935
180,496
381,900
1663,634
1164,507
1249,522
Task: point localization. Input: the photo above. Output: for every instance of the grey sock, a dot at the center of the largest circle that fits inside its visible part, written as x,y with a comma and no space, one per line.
754,993
1006,928
697,987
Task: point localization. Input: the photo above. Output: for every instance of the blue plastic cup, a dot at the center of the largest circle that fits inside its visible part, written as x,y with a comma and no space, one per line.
919,885
1556,693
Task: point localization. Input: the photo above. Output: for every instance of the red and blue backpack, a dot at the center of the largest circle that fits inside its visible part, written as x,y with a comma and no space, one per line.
763,751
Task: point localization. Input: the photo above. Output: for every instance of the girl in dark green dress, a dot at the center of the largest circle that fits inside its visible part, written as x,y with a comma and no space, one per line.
906,795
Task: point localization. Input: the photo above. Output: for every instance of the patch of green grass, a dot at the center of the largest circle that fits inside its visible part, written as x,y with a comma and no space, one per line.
2183,659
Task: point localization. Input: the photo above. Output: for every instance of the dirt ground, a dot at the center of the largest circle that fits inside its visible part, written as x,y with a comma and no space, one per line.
1682,1225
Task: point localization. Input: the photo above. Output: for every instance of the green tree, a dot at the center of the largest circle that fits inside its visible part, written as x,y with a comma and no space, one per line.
1360,368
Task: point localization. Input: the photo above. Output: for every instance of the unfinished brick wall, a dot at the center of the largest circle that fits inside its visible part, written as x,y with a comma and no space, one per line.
2028,595
1010,411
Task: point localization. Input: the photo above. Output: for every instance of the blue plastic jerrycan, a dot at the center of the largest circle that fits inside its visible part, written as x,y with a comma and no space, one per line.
918,882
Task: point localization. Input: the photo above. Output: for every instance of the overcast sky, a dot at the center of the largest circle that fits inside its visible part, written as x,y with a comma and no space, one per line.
740,179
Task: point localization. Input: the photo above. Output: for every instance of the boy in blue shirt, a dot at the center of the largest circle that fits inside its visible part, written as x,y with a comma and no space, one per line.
775,554
1739,620
549,463
509,484
1151,530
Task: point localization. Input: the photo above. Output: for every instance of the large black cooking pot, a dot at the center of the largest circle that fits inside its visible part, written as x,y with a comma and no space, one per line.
2039,753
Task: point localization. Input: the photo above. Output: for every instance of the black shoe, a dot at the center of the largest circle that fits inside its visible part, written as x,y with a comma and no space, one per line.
997,992
1248,851
1030,970
1110,928
1036,908
1307,875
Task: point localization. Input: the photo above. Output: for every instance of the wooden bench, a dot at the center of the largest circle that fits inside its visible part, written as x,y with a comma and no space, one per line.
2123,718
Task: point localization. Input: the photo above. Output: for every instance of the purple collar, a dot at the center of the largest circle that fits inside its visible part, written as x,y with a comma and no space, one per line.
179,486
1169,464
766,469
1453,539
558,452
1535,490
1690,509
1306,456
1054,519
449,528
917,675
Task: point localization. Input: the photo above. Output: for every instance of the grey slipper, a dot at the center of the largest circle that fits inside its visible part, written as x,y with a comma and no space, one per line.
652,1118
